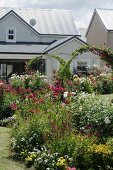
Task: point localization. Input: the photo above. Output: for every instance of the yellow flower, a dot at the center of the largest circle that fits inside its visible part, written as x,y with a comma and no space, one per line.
101,148
33,155
61,162
28,158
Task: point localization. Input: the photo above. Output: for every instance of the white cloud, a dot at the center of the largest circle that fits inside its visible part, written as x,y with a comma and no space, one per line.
9,3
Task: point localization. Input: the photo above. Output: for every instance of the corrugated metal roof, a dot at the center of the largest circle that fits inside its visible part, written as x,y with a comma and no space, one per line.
48,21
106,16
58,43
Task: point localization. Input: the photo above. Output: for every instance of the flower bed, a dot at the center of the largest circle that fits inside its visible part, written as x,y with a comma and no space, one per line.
59,128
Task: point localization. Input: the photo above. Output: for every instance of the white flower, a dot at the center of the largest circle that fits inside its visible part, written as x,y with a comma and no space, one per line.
80,108
107,121
65,94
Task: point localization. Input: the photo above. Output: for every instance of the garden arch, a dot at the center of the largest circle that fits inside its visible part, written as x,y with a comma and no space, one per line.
105,54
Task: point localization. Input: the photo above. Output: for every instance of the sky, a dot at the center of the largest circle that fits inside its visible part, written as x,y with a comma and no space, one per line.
82,9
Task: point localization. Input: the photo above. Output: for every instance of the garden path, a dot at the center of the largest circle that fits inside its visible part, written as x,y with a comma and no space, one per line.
5,162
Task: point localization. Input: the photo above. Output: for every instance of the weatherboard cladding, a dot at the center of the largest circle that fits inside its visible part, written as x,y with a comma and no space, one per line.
48,21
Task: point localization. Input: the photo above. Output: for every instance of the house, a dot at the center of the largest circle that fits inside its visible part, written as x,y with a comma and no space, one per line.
26,33
100,29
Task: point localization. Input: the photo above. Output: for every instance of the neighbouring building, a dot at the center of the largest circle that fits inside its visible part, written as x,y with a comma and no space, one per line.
100,29
26,33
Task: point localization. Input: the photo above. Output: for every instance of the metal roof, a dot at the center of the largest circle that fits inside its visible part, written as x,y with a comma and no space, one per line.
22,48
58,43
48,21
106,16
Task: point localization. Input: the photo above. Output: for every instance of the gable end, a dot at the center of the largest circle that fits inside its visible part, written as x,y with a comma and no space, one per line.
18,17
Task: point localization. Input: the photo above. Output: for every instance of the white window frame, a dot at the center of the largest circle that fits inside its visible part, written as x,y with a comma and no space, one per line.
7,34
84,60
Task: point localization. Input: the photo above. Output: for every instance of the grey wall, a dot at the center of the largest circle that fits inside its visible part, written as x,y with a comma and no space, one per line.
97,34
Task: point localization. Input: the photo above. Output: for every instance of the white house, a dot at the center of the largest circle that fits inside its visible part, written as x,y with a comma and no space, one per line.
26,33
100,29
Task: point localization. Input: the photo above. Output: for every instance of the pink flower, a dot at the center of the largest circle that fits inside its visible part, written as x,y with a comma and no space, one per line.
13,106
68,168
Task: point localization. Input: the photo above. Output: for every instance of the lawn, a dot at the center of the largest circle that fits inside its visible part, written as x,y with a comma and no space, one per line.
106,96
5,162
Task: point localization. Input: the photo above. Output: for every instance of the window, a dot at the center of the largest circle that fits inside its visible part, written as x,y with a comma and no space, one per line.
11,34
82,66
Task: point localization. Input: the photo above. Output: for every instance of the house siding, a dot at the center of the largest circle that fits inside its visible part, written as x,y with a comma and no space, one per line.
97,34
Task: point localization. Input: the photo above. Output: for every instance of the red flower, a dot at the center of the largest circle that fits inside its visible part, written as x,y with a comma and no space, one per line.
41,101
32,95
13,106
57,89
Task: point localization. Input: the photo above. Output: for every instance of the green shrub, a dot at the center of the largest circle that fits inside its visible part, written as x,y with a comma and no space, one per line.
34,81
104,83
25,137
85,151
91,115
76,147
45,159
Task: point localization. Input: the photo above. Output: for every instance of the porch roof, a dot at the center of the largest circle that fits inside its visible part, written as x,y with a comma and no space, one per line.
22,48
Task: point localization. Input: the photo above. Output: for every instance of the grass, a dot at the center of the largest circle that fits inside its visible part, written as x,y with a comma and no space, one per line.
107,96
6,163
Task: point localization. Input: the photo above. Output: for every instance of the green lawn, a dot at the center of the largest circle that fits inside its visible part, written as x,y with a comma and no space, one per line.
107,96
6,163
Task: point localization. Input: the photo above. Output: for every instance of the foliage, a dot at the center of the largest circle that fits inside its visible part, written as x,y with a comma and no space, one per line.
105,54
7,121
104,83
92,116
25,137
5,101
101,83
32,81
85,151
1,95
32,63
64,72
44,159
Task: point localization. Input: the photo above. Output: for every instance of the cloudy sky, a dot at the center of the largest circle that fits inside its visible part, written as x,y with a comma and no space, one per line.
82,9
